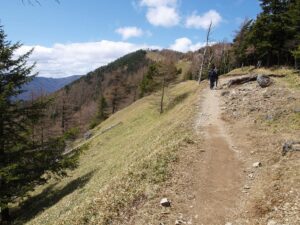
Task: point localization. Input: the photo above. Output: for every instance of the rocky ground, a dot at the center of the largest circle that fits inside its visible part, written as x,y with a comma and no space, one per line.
261,121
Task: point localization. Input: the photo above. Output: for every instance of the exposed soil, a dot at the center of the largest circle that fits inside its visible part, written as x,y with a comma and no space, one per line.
214,181
219,175
260,121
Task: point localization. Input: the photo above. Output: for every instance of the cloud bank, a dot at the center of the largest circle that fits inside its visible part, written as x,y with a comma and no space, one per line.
62,60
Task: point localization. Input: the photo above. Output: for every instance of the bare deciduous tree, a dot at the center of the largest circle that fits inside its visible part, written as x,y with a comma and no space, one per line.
205,51
168,73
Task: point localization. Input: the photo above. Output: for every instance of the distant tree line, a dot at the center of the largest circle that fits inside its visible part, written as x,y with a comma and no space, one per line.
272,39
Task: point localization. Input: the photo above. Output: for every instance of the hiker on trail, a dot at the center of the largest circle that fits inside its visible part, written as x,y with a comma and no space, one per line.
212,76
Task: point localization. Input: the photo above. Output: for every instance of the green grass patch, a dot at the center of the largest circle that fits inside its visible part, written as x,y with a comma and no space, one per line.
121,167
240,71
185,67
286,122
293,80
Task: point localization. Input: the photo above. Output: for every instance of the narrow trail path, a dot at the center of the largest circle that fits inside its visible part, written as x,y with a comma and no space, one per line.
219,175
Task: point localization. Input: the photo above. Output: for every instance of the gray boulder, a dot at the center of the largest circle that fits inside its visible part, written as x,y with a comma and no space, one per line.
87,135
264,81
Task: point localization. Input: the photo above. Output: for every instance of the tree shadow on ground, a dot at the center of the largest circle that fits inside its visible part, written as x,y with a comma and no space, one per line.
170,101
47,198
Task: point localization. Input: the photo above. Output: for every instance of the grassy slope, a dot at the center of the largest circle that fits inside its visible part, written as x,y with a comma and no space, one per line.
121,167
184,65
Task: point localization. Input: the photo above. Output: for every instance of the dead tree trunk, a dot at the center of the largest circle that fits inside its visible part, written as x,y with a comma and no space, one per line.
162,96
210,59
241,80
204,54
224,58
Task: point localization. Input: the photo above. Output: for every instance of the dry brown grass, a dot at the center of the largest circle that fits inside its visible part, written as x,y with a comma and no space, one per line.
155,56
185,66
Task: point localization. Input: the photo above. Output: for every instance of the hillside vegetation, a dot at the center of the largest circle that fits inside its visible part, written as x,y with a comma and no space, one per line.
77,104
120,168
89,100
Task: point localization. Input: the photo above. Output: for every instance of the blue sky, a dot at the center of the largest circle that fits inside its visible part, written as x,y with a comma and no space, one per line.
77,36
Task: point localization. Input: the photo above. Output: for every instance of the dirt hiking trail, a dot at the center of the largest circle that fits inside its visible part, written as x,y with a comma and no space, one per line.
214,181
219,177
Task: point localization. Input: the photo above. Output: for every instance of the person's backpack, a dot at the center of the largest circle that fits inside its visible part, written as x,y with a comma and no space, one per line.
212,74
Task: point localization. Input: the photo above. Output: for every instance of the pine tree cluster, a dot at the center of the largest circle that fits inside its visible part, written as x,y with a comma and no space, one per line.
273,38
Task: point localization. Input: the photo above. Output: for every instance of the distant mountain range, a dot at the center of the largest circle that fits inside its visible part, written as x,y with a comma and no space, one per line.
45,85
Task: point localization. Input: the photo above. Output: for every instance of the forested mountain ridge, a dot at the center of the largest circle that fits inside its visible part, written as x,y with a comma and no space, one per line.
87,101
44,85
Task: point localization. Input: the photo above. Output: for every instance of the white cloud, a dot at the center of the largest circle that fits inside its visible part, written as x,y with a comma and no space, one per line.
203,21
77,58
128,32
162,12
163,16
184,44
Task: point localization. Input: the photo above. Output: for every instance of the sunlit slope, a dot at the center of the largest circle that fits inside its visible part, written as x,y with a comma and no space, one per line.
122,166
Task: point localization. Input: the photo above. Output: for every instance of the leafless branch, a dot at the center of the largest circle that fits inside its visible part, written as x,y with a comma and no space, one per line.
35,2
205,50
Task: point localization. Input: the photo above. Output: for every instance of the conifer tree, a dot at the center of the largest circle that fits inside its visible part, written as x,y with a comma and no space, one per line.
23,161
294,24
240,44
296,54
102,109
148,82
270,32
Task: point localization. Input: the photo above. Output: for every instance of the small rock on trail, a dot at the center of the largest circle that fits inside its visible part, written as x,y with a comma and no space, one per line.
165,202
257,164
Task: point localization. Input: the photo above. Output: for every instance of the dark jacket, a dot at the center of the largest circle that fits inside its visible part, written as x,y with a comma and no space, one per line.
212,75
